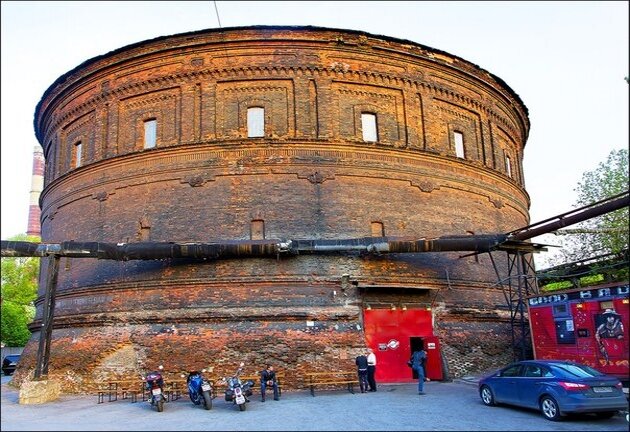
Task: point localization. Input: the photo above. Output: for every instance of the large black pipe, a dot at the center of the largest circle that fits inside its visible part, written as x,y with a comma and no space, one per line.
249,248
570,219
141,250
262,248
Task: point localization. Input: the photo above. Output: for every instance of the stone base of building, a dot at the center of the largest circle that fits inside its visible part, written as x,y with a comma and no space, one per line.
39,392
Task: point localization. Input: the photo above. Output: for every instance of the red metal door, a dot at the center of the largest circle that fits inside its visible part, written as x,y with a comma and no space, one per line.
388,332
434,359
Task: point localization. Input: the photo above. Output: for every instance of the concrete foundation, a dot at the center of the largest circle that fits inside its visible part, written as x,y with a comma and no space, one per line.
39,392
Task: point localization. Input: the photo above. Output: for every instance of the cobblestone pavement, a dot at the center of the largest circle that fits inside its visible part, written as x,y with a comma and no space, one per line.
452,406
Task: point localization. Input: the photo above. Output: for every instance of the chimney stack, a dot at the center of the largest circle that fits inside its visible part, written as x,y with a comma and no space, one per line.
37,185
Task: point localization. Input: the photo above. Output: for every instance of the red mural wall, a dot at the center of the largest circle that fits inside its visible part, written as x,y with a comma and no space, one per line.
564,325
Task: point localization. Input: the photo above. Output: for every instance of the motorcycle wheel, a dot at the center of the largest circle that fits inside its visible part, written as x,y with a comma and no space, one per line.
160,405
242,407
207,400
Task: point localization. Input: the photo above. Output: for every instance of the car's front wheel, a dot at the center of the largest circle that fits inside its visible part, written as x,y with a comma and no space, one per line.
486,396
549,408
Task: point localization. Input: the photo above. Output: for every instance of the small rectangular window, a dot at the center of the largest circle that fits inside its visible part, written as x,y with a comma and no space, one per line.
508,166
78,148
150,133
561,309
255,122
368,126
50,166
257,230
378,230
459,144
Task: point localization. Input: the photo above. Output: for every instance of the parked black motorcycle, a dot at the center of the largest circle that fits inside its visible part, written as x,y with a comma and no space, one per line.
200,389
154,384
236,391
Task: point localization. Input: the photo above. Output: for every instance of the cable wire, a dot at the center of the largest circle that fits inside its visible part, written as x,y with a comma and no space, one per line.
216,9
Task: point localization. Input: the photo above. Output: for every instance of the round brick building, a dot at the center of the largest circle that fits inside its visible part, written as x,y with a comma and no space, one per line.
258,133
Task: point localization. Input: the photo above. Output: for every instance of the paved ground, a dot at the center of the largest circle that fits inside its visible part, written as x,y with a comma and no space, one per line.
453,406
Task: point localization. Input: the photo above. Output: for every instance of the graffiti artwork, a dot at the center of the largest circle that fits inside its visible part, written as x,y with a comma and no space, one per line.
609,326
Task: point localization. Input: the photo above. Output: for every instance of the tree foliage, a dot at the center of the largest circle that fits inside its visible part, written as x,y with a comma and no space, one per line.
19,290
14,325
607,233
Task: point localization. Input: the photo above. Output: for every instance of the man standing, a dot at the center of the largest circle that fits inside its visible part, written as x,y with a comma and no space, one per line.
371,361
418,361
362,369
268,379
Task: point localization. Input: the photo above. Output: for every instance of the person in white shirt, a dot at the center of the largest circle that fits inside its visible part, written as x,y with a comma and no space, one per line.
371,358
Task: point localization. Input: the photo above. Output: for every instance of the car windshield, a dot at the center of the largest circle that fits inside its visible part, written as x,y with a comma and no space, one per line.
581,371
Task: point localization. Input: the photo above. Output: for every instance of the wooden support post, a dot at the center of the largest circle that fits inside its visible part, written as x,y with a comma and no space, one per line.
48,313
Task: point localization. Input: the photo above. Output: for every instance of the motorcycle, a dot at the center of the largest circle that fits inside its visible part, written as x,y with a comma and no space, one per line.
154,384
236,391
200,389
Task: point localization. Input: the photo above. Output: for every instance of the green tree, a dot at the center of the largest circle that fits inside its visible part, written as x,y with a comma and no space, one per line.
15,321
607,233
19,290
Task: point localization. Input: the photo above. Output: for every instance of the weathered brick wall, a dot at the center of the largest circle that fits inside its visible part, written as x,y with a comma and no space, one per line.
81,357
311,176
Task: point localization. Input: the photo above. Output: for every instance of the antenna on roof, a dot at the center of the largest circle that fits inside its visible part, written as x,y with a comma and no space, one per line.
217,11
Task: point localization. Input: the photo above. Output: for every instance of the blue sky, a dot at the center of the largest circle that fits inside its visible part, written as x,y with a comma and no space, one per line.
566,60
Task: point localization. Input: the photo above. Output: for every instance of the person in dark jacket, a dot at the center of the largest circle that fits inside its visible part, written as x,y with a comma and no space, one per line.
362,370
418,360
268,379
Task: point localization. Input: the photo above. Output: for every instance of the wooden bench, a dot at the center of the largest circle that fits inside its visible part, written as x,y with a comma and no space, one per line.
110,388
174,388
330,379
129,389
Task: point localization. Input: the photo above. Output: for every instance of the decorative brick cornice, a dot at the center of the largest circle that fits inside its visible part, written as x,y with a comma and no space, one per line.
283,72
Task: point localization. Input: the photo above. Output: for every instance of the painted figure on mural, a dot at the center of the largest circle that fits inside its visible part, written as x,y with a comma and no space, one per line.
610,328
